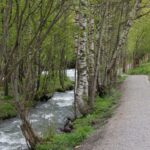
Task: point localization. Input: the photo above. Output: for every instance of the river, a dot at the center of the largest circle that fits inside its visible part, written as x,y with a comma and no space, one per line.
54,111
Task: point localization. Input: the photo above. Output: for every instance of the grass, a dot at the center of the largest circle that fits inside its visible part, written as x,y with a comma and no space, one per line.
84,126
7,110
144,69
121,78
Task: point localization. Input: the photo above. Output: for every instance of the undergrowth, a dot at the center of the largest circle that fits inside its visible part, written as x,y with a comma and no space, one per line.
143,69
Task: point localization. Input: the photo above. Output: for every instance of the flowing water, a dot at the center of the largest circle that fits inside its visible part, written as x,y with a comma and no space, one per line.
42,116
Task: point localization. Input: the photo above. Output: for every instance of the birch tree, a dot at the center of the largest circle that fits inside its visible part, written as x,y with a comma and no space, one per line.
82,79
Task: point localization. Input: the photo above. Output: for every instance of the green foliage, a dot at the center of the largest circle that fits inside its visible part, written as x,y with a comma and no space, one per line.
83,126
7,110
6,97
138,39
50,132
45,33
67,141
143,69
50,84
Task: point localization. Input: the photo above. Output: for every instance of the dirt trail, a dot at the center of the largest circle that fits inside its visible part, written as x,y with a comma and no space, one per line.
129,128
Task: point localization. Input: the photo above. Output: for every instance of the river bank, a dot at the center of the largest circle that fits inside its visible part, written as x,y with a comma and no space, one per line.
7,107
45,114
85,126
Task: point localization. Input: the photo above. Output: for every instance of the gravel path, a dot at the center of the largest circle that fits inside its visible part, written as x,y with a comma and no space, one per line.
129,128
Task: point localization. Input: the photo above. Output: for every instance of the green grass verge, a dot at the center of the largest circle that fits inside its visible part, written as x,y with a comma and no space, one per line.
84,126
143,70
121,78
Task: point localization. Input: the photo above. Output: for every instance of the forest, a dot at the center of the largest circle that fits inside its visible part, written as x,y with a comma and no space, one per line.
101,41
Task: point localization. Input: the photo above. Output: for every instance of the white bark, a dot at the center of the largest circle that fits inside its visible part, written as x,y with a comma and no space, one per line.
91,63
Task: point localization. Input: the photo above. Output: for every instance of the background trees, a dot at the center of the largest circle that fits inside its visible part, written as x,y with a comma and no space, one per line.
138,41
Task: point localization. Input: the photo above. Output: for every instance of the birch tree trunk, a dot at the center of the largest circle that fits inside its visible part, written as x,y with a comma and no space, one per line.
91,63
100,49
